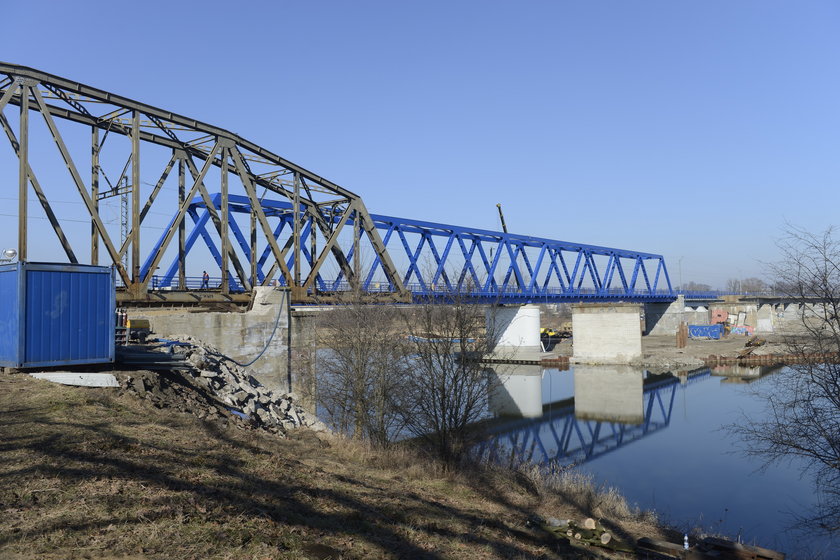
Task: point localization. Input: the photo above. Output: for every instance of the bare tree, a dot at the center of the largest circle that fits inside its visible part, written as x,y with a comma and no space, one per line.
733,285
388,372
804,411
360,368
749,285
697,287
447,386
753,285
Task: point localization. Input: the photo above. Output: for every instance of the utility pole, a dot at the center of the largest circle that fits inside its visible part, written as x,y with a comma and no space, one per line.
679,265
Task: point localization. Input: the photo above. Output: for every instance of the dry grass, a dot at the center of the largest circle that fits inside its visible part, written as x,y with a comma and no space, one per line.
88,473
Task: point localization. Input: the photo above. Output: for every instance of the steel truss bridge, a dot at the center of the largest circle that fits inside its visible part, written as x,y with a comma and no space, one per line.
559,438
300,230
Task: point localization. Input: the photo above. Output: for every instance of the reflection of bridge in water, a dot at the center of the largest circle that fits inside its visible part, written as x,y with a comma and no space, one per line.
612,406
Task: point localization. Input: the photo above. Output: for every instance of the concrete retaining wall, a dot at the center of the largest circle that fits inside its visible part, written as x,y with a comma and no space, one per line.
607,333
240,336
665,319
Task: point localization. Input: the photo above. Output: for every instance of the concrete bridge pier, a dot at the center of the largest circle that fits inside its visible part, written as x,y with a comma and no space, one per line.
516,331
665,318
517,393
609,393
606,333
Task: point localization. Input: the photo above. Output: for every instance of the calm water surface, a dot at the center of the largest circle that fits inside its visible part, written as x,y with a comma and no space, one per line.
661,440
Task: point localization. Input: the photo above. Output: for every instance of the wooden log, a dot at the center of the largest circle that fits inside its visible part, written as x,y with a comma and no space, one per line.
605,538
587,534
589,523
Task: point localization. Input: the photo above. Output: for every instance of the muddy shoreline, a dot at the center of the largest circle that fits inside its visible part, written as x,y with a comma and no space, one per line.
660,353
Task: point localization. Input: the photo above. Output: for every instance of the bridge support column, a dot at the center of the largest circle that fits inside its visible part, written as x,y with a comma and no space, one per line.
664,318
606,333
610,393
516,330
518,393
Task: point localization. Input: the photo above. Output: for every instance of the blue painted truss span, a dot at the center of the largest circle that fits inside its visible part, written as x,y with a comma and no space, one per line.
560,438
435,260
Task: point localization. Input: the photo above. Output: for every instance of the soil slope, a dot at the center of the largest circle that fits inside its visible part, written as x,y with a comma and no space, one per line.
101,473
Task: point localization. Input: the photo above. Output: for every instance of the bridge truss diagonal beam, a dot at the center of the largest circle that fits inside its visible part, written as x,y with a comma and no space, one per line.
487,267
305,232
153,142
559,437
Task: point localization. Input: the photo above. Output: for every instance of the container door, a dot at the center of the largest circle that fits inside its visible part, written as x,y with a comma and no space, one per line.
69,317
10,327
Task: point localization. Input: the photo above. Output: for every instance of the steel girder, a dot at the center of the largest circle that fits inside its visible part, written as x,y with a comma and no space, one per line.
205,156
330,243
443,262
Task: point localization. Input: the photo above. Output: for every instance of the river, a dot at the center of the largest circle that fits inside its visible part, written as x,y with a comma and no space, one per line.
662,441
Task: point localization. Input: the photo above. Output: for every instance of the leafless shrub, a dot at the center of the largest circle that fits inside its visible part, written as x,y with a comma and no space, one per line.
361,366
446,388
575,487
803,420
390,373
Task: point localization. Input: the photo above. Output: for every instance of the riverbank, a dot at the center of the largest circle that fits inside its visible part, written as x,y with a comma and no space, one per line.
101,473
661,355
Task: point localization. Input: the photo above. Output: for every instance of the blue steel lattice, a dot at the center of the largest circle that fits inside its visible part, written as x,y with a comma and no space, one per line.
439,260
560,438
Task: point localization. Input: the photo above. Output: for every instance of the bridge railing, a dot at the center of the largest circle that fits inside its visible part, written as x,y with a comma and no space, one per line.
718,294
424,292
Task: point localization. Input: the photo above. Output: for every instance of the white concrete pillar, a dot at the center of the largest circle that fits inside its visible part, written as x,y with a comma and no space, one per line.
764,319
518,393
515,327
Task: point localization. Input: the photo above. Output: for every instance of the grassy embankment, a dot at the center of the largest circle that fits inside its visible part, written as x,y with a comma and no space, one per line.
91,473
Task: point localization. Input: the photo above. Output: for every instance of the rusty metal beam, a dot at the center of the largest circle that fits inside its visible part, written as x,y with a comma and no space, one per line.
80,185
225,226
23,168
143,124
39,192
94,192
251,192
135,204
214,216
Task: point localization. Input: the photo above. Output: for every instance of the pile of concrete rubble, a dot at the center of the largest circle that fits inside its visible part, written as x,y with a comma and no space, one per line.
212,386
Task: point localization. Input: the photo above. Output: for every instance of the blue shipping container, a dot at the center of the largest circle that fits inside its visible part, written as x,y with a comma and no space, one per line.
56,314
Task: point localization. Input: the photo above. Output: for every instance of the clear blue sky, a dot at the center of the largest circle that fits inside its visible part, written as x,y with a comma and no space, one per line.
690,129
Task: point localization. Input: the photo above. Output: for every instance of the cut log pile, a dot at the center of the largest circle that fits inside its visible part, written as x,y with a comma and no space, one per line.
588,532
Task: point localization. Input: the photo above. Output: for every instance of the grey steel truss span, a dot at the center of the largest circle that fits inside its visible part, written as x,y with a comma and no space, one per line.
306,233
195,148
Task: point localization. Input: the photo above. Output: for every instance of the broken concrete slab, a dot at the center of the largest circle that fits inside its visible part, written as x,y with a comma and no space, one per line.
78,379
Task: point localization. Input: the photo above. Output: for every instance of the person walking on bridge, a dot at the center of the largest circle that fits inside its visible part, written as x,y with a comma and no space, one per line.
205,280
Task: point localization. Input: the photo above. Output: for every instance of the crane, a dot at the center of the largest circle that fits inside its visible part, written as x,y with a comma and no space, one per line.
502,217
